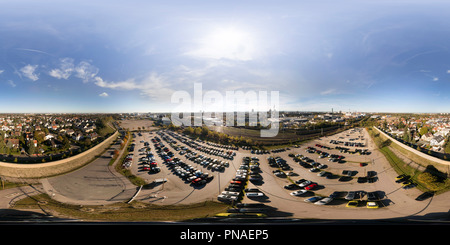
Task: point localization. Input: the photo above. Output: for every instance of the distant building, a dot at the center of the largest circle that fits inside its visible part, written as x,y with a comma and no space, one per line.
166,121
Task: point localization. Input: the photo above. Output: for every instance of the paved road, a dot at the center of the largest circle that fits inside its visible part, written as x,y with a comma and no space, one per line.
95,183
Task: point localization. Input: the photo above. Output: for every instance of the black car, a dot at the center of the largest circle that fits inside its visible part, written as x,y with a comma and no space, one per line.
402,178
362,179
291,187
300,181
371,174
372,196
424,196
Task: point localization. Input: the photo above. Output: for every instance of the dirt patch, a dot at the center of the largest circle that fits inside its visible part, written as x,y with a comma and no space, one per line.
136,124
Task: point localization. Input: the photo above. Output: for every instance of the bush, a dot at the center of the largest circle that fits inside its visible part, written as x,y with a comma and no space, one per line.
386,143
430,181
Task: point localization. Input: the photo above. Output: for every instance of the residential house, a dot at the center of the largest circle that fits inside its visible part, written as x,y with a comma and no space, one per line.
54,143
89,129
77,136
427,137
49,136
14,142
93,136
70,132
437,140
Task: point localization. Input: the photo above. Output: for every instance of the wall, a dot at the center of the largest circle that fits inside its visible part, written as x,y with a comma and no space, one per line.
441,165
41,170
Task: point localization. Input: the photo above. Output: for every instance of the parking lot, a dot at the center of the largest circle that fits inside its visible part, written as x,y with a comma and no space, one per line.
340,175
194,171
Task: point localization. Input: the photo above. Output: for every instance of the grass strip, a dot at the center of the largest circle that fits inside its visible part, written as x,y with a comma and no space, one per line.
134,211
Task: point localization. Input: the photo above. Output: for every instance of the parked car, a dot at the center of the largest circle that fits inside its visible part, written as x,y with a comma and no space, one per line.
305,183
313,199
324,201
372,196
298,193
350,195
352,204
424,196
291,186
311,186
372,205
254,194
402,178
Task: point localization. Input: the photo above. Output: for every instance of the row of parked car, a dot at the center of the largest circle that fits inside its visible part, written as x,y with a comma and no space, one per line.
228,147
227,153
188,173
128,161
347,143
211,163
205,161
236,187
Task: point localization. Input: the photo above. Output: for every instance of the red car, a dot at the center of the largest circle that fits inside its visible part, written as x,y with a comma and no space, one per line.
311,186
198,181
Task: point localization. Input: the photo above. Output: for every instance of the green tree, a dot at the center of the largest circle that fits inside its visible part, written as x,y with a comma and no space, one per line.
406,135
39,136
447,146
423,130
198,131
31,148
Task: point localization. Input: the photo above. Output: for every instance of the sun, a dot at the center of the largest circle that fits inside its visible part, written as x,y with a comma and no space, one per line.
227,43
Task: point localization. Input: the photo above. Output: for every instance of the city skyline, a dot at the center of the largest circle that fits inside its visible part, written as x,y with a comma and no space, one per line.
108,56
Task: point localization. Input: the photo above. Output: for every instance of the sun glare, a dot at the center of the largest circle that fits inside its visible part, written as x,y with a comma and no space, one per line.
227,43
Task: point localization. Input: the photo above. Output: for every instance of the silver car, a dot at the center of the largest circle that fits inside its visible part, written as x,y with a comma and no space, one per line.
324,201
350,196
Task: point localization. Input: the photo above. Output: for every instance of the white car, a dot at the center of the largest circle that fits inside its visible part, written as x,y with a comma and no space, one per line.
298,193
254,194
324,201
306,183
230,193
227,198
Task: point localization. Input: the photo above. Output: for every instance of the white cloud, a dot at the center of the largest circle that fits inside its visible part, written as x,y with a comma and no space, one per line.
11,83
1,71
28,71
65,70
104,94
328,91
129,84
153,86
156,86
85,71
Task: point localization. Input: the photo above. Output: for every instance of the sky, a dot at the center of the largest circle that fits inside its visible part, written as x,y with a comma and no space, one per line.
133,56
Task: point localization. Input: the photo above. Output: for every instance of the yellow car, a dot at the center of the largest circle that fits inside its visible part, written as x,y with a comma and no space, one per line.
241,215
352,204
372,205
